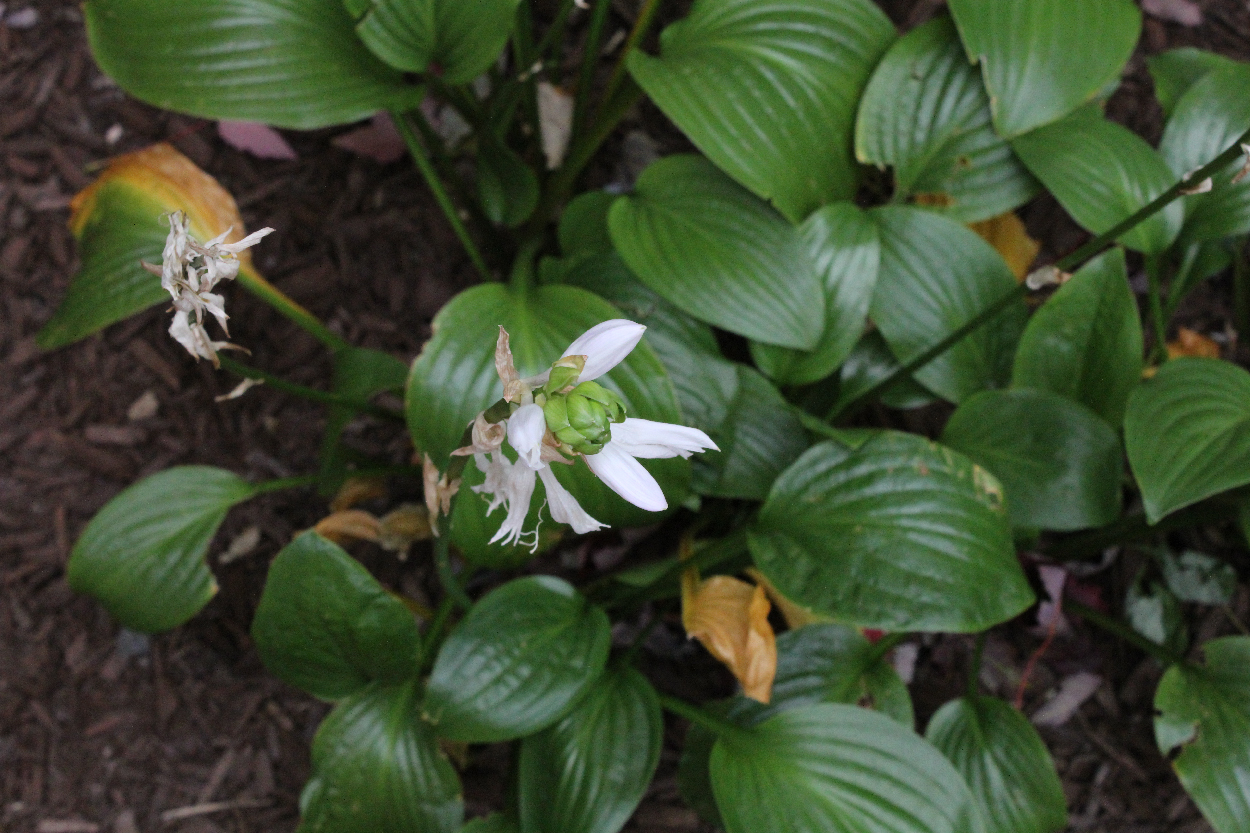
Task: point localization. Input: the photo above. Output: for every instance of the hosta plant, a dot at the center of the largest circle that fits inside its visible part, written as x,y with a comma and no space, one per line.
699,351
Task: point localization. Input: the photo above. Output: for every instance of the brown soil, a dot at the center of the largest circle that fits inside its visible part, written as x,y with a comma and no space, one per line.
101,729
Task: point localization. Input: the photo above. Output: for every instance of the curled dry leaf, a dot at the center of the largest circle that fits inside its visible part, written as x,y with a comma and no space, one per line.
1192,344
555,115
795,614
1007,234
730,618
349,525
400,528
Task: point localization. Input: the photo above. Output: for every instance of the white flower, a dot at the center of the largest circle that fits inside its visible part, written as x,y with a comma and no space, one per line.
190,286
511,484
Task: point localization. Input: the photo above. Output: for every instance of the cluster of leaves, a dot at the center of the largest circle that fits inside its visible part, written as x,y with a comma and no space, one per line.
845,287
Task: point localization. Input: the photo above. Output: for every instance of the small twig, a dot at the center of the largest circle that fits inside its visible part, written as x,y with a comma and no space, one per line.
207,808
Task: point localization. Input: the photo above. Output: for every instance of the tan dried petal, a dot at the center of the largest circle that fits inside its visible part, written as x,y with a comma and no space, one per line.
349,525
357,490
487,437
730,618
1192,344
504,365
402,527
438,492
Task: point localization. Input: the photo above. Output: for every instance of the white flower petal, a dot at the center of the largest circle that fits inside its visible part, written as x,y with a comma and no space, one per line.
626,476
605,346
649,439
246,243
515,484
526,428
564,507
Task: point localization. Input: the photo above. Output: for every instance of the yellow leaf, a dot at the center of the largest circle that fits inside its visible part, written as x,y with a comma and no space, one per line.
1007,234
357,490
795,614
172,181
730,618
1190,344
349,525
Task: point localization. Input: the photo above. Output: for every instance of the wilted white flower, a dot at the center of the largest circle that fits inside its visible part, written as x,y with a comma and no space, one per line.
562,414
189,271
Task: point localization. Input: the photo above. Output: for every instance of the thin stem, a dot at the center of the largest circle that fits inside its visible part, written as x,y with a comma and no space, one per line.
1154,265
1135,527
639,641
711,555
304,392
590,59
251,280
446,575
281,483
1241,287
701,717
417,151
1123,631
434,636
642,24
974,667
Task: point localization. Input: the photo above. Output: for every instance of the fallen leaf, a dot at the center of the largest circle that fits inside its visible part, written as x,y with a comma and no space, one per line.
1050,616
1184,12
378,140
796,615
400,528
1007,234
255,138
730,618
1191,344
1073,691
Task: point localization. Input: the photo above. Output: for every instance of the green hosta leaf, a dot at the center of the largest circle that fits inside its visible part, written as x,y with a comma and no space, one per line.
376,766
926,114
1176,70
584,225
841,242
517,662
142,555
1059,463
494,823
507,188
936,275
900,534
768,91
1041,59
1187,433
1004,762
1210,117
834,767
325,625
869,363
715,251
463,37
588,772
1204,711
1101,172
1195,577
1085,342
1155,613
694,777
290,63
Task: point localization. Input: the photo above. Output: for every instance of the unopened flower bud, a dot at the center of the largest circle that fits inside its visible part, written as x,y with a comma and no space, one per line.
611,403
564,373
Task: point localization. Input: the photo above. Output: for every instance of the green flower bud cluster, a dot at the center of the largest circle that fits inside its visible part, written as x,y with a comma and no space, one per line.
582,418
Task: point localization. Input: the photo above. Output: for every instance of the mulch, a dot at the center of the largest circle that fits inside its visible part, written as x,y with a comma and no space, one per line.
105,730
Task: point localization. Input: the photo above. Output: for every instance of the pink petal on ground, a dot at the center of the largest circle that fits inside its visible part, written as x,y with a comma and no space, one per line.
378,140
1050,613
1184,12
1073,691
255,138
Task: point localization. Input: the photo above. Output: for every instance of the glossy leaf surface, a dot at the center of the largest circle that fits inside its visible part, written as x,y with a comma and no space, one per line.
835,767
719,253
1176,70
326,626
936,275
1101,172
1004,762
289,63
517,662
1041,59
1085,342
1187,433
376,766
900,534
588,772
142,555
1204,711
1058,462
463,37
768,90
925,113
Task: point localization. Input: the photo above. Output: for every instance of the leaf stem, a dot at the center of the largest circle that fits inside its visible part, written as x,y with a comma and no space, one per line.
419,156
974,667
1135,527
304,392
701,717
1123,631
251,280
1154,265
642,24
711,555
281,483
590,59
434,636
442,562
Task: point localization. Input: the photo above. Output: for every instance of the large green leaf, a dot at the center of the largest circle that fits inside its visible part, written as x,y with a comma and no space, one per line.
831,767
517,662
1059,463
925,113
767,90
936,275
463,37
899,534
1187,433
494,823
841,242
1209,118
1205,712
717,252
1176,70
376,766
142,555
1004,762
1085,342
1041,59
507,188
291,63
325,625
1101,172
869,363
588,772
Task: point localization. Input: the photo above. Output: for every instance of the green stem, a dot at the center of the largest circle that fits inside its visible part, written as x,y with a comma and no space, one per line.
442,562
641,639
710,556
281,483
419,156
434,636
522,276
701,717
590,59
642,24
1241,287
304,392
1154,265
251,280
1131,528
1123,631
974,667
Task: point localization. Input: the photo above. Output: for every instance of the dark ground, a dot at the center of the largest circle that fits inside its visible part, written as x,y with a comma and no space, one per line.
101,730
